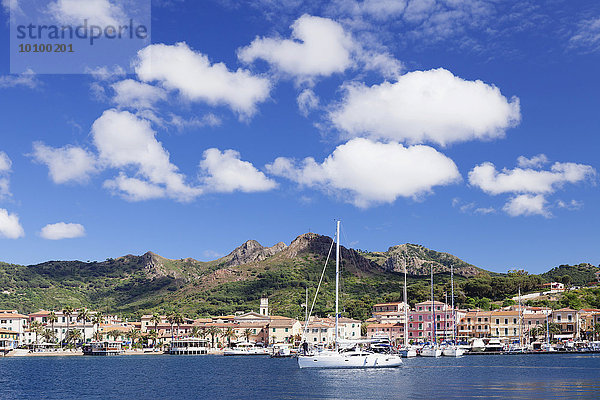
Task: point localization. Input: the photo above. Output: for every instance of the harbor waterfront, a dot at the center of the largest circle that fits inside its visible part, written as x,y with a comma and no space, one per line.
163,376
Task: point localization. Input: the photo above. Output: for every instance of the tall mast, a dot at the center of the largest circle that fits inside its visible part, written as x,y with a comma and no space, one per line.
433,338
520,321
405,310
337,281
306,307
453,311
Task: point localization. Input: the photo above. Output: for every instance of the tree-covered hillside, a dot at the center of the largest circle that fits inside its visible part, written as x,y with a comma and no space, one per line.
133,285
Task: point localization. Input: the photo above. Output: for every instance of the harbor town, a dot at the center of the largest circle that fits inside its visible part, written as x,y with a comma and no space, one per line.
508,329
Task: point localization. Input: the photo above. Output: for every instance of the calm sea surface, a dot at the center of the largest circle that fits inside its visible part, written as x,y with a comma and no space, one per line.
215,377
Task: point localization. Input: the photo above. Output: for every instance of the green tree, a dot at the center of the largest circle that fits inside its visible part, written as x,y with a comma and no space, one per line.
48,335
52,318
37,328
84,316
67,312
213,331
97,320
229,334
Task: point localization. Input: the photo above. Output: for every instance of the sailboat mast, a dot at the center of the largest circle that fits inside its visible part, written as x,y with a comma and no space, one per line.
306,306
405,310
520,321
453,311
433,338
337,281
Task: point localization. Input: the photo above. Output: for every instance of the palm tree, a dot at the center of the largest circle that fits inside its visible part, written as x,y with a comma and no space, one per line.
83,315
48,334
247,334
37,328
156,320
196,331
97,335
171,318
213,331
154,336
67,312
178,320
73,336
229,334
134,334
115,333
52,318
97,319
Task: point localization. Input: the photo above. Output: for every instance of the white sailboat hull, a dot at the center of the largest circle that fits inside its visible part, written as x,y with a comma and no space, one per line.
431,352
453,352
407,353
340,360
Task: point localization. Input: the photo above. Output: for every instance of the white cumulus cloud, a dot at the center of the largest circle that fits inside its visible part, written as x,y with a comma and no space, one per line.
526,205
426,106
65,164
62,230
530,186
519,180
126,141
10,227
5,169
226,172
368,173
137,95
533,162
96,12
192,74
318,47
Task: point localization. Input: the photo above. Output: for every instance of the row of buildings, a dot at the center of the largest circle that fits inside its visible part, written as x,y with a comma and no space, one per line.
509,323
18,329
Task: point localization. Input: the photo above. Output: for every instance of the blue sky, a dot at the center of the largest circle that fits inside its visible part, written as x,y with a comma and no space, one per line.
467,127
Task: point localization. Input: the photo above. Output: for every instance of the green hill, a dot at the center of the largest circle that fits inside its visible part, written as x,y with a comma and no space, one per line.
132,285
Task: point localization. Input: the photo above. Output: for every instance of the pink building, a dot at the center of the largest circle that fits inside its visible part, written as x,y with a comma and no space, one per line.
420,320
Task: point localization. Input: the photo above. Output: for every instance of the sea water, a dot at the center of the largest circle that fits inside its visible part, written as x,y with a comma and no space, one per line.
258,377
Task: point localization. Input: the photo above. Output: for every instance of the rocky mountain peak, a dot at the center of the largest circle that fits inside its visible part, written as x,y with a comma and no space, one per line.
252,251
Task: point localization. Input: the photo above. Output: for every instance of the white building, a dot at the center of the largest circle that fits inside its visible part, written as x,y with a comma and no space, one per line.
64,322
13,321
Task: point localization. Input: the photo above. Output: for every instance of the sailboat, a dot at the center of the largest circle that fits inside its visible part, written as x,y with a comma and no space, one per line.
453,350
352,357
406,351
432,350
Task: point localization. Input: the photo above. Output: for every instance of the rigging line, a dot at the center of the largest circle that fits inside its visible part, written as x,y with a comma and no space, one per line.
318,287
352,257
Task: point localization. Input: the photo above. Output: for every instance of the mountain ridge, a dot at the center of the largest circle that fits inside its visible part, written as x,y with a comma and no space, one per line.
132,284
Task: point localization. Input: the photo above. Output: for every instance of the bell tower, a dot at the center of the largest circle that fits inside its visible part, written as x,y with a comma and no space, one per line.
264,306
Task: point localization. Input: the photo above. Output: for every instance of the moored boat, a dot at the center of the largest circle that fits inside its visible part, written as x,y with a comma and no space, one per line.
103,348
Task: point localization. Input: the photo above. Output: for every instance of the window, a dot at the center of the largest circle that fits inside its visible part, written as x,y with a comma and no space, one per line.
420,318
497,321
514,320
505,321
479,320
569,318
286,329
506,331
558,318
274,329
